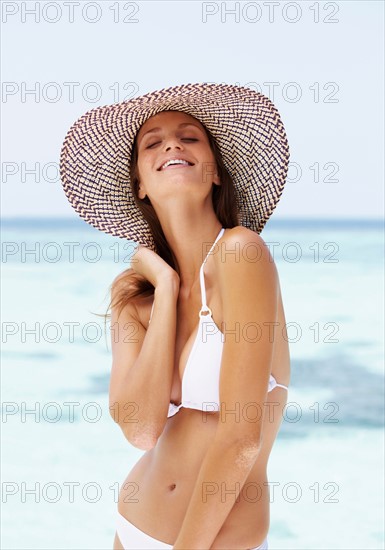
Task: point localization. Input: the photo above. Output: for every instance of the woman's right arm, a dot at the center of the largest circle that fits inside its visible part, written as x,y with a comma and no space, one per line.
143,360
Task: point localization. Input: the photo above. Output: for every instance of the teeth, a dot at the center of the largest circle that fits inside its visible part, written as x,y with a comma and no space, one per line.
174,161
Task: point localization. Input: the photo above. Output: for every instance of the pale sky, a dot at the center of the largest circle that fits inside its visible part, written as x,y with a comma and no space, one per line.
329,87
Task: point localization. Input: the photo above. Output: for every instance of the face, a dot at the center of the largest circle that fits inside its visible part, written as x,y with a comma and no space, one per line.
174,154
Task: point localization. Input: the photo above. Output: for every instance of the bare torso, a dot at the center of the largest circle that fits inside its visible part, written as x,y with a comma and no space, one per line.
156,492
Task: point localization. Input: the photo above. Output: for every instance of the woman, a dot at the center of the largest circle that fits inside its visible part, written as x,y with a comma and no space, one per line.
201,328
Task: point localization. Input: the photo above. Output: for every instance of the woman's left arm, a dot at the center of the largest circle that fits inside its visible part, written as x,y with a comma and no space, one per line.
248,283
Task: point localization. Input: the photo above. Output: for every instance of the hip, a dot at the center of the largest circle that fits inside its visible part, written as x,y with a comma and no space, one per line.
130,537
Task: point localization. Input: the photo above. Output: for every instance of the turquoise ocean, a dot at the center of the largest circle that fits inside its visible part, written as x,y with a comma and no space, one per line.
63,457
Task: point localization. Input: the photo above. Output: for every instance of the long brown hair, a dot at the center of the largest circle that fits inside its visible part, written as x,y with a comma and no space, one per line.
225,207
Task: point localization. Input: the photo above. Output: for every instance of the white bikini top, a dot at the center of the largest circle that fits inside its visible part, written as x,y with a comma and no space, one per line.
200,382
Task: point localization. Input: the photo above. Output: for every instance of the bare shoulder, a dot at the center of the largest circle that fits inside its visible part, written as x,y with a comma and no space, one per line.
243,236
244,250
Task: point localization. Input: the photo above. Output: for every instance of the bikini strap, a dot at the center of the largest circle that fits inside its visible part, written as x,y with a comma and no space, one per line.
202,278
273,384
152,309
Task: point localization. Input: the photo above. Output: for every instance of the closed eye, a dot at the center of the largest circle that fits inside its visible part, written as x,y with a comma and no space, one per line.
182,139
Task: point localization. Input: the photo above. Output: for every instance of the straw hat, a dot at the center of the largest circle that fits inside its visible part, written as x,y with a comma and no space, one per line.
95,157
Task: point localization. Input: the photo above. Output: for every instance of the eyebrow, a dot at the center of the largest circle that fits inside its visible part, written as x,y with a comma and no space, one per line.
182,124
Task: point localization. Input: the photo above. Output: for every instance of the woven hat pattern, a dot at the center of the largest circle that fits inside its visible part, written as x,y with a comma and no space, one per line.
94,161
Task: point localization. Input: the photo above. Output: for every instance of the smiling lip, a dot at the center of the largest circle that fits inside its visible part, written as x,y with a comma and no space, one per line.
171,166
176,165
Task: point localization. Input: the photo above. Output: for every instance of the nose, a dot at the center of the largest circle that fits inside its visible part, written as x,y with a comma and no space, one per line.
172,143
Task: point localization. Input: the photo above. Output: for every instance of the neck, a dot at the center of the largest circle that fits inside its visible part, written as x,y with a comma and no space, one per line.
190,236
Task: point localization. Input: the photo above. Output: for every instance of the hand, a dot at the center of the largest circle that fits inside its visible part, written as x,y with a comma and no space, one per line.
152,267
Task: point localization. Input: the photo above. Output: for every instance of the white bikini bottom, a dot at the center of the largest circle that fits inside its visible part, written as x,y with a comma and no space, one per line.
133,538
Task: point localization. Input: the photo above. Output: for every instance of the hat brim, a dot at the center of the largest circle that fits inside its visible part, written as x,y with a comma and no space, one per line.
95,156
